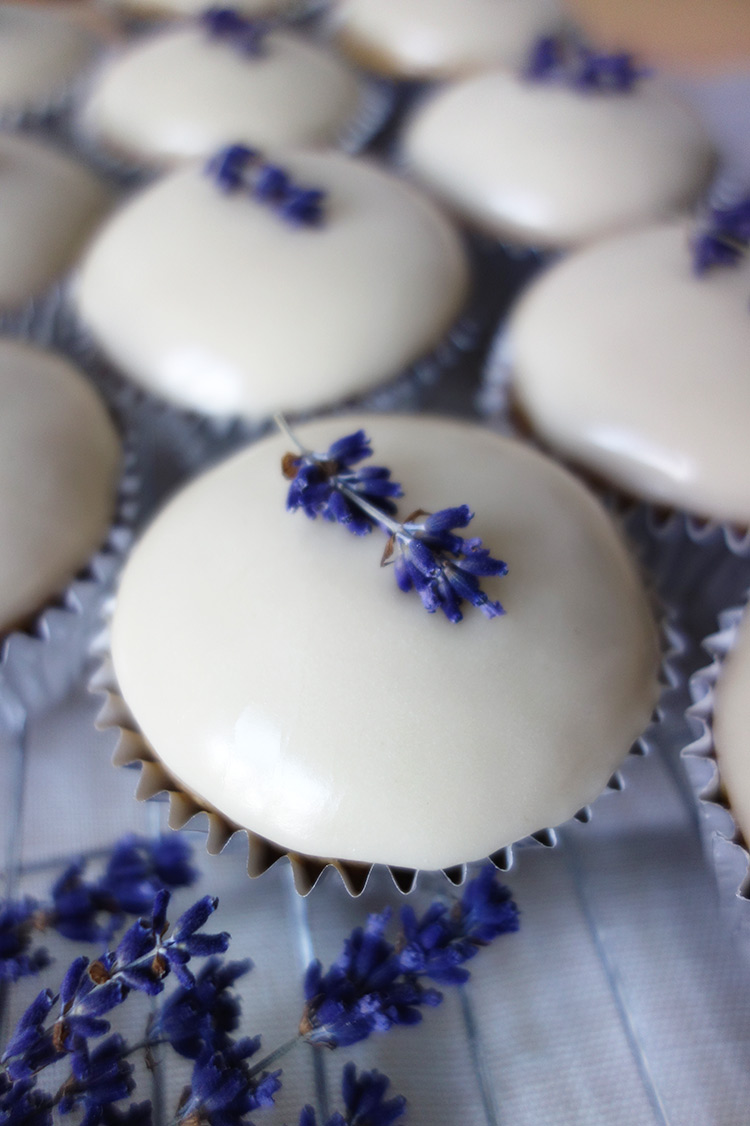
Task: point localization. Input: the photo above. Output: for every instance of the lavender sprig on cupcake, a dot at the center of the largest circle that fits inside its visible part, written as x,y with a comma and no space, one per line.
559,58
246,35
240,168
444,568
725,237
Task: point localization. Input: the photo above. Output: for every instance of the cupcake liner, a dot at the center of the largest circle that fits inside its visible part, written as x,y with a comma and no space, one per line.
132,749
724,845
41,662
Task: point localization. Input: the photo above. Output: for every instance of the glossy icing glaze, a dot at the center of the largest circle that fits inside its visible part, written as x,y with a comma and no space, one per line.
49,206
160,8
58,475
731,727
215,302
282,676
628,363
42,53
545,165
180,95
441,38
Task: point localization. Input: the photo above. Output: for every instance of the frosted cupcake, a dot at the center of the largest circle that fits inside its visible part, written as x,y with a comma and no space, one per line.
44,51
630,359
256,286
569,151
60,465
429,39
183,93
49,206
305,695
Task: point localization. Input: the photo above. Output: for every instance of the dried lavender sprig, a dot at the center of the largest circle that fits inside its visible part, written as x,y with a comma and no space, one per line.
365,1103
238,168
445,569
560,58
724,238
375,985
92,910
247,36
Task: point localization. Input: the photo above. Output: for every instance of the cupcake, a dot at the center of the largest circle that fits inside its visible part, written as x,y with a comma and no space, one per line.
435,39
49,206
44,50
60,468
260,287
552,160
631,364
271,671
182,93
717,762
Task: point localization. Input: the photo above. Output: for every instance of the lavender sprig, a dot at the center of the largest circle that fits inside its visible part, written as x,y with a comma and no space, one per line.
247,36
238,168
364,1101
92,910
570,63
444,568
724,239
375,985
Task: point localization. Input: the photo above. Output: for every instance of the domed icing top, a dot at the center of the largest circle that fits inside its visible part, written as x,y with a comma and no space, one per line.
59,464
282,676
628,363
212,300
181,94
552,167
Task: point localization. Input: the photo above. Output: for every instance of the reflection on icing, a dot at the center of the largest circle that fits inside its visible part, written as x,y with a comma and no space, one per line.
270,780
618,440
196,376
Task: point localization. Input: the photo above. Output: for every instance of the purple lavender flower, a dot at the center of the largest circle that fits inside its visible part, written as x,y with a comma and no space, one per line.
238,168
223,1091
246,35
442,567
562,59
138,868
22,1105
99,1077
438,944
364,1100
327,485
725,238
17,921
362,992
205,1013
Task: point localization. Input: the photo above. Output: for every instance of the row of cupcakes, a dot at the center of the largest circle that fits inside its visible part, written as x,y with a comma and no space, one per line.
239,202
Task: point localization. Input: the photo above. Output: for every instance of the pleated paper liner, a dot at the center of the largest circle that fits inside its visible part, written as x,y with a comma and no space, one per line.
132,749
724,844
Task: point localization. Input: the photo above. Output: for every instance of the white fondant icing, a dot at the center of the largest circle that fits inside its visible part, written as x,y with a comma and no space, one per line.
195,7
181,95
628,363
730,728
42,52
49,205
214,301
282,676
441,38
549,166
58,475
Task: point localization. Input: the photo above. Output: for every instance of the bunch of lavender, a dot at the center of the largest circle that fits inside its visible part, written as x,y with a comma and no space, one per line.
724,238
247,36
445,569
374,985
565,60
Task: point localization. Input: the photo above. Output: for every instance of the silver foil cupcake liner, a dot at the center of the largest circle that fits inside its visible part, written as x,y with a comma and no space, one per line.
724,845
133,750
